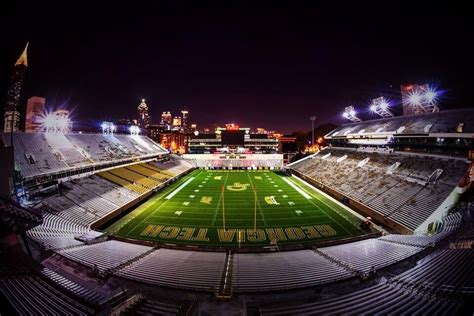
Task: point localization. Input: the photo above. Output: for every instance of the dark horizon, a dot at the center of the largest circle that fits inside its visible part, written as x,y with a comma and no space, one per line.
258,66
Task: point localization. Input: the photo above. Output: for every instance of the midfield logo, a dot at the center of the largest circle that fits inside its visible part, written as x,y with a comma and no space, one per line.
237,186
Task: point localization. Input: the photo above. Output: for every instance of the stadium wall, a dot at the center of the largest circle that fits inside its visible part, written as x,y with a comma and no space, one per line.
365,210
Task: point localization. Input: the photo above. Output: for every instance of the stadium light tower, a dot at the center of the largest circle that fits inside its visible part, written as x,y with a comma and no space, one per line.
419,99
350,114
134,130
312,118
381,107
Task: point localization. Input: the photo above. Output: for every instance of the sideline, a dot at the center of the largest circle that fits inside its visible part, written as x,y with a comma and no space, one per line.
294,186
179,188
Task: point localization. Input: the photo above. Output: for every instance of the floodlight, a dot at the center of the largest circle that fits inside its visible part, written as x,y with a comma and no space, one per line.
431,95
414,98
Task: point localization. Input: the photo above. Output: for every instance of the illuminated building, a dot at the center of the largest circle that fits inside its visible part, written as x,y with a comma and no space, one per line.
232,139
177,122
184,119
12,115
153,131
175,141
166,120
144,118
34,111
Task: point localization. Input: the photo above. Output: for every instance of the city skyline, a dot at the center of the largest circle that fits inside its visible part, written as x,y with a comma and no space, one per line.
274,74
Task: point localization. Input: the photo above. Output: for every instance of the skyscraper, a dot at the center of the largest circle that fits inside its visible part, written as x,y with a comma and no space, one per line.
177,122
12,115
166,119
144,118
184,119
34,112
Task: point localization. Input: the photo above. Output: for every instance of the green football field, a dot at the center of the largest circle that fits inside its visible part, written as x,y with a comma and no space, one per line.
232,207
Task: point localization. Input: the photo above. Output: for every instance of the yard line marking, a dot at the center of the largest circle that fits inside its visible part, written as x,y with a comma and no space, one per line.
219,201
149,215
297,189
179,188
320,199
258,202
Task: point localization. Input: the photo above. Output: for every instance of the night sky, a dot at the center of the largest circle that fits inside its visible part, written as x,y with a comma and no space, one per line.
267,65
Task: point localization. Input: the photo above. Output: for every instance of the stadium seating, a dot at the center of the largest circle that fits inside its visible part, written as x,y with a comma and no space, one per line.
40,154
405,194
85,200
29,295
367,255
382,299
178,268
448,271
56,232
286,270
105,255
73,288
123,182
426,289
106,189
171,167
153,307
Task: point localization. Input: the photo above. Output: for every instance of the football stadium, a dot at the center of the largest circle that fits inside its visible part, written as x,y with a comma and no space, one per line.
224,208
375,216
114,223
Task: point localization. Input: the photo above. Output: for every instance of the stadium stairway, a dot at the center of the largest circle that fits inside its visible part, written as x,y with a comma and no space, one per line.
132,260
225,288
74,288
336,261
148,306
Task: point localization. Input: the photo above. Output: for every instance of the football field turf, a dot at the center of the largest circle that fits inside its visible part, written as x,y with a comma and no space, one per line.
223,207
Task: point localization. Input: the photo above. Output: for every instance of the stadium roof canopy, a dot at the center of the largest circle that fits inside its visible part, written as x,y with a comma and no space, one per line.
447,122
